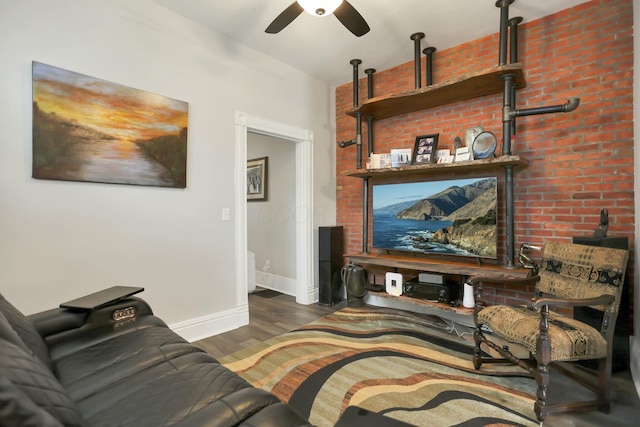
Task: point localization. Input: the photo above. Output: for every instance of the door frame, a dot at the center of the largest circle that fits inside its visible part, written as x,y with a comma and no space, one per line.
303,139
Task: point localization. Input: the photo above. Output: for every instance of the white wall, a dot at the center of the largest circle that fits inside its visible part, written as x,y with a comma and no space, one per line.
271,226
60,240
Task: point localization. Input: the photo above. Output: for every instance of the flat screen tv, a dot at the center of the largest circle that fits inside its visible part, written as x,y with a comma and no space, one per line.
451,217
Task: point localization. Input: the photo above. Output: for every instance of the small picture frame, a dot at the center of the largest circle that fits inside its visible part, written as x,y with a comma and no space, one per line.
400,157
442,155
463,154
257,175
424,150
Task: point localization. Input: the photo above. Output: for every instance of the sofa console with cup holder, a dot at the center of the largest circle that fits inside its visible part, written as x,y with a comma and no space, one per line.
106,360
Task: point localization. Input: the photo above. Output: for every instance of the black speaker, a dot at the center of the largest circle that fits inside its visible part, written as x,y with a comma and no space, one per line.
330,258
593,317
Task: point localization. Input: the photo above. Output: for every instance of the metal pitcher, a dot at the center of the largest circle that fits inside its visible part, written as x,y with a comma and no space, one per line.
355,281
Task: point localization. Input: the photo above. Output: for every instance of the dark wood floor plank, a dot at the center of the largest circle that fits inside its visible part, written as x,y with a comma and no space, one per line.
268,317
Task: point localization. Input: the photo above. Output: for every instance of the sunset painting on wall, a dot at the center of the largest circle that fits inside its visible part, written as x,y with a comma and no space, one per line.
87,129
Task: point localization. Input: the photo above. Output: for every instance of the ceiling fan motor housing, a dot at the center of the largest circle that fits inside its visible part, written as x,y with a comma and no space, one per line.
320,7
341,9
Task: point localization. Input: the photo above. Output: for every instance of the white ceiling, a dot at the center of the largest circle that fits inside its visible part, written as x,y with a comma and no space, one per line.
322,47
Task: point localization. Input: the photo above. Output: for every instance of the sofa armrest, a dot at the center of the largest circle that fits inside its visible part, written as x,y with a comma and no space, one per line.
101,298
57,320
96,308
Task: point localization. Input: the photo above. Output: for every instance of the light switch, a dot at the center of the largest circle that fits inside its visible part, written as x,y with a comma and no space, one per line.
226,214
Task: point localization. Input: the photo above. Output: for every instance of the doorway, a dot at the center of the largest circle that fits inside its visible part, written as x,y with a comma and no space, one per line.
271,226
303,139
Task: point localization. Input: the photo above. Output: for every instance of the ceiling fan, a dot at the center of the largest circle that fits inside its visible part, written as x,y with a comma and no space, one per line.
341,9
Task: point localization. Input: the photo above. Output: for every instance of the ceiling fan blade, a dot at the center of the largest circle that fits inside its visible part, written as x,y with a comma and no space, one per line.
351,18
285,18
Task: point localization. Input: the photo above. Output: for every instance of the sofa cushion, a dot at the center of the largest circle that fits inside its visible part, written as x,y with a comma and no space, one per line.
166,394
86,380
23,372
26,331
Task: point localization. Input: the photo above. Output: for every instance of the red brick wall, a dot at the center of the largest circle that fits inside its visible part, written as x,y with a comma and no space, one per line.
579,162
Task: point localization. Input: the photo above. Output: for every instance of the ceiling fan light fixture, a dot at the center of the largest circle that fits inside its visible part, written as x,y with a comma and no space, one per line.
320,7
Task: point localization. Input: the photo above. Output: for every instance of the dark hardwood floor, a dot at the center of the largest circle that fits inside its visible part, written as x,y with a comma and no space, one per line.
270,317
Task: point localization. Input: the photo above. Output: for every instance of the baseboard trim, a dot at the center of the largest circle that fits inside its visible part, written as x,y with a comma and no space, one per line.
285,285
212,324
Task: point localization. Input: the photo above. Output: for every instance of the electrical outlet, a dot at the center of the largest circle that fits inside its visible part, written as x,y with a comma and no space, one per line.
267,266
226,214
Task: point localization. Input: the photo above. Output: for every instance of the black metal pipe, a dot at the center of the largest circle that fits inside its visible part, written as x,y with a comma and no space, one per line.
509,212
507,123
513,52
416,37
343,144
355,63
369,137
513,107
359,140
365,200
507,119
365,217
513,37
504,26
369,72
567,107
429,52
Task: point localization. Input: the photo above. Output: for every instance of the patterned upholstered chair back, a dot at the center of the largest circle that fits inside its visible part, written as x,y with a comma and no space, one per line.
580,271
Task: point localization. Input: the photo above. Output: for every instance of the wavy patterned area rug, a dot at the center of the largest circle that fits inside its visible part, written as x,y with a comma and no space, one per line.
403,365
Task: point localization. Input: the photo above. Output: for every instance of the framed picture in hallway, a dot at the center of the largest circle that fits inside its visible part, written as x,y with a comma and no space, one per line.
88,129
257,179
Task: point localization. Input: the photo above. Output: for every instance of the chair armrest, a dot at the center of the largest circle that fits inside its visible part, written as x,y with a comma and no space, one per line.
478,281
573,302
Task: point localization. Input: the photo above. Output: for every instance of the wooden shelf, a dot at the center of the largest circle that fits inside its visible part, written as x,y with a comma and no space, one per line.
467,86
425,303
444,266
435,168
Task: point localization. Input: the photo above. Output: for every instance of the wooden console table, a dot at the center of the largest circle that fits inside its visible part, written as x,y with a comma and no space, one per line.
460,315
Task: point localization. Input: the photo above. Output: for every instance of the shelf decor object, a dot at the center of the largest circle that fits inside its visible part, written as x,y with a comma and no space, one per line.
424,150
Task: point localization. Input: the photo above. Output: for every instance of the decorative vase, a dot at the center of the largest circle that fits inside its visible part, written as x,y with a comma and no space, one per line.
468,300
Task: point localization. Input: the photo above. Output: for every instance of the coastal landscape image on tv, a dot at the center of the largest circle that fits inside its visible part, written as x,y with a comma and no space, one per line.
451,217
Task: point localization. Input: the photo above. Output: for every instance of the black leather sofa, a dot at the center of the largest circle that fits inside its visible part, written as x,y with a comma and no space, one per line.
108,361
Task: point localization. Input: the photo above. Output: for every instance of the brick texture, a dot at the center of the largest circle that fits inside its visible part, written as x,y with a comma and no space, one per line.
579,162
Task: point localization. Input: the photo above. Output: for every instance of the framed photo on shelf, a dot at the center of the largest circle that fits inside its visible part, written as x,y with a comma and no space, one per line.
257,175
400,157
424,150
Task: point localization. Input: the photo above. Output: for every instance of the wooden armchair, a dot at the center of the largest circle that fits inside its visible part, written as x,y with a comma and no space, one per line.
570,275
